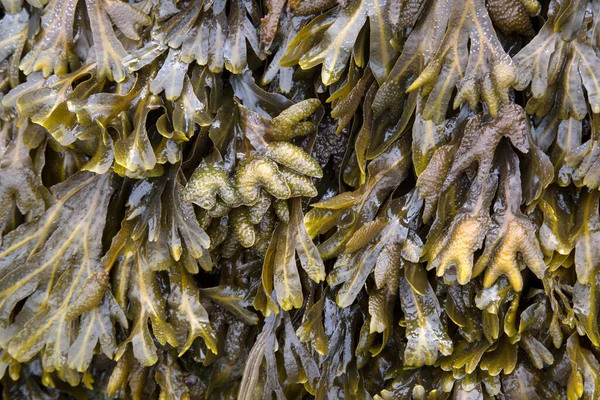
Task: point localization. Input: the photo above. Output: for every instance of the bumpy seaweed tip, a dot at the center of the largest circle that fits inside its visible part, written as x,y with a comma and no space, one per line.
316,199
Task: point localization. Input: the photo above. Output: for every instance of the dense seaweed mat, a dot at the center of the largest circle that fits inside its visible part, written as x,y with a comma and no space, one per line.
386,199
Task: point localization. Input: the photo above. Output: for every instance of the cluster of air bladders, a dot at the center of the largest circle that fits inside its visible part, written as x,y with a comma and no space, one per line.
185,216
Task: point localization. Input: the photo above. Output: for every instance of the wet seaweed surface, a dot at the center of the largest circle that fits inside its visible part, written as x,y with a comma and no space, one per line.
329,199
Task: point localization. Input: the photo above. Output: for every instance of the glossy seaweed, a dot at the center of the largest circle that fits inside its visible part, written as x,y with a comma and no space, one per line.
358,199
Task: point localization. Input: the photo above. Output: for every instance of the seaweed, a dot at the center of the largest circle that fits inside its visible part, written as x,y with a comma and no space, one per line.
361,199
